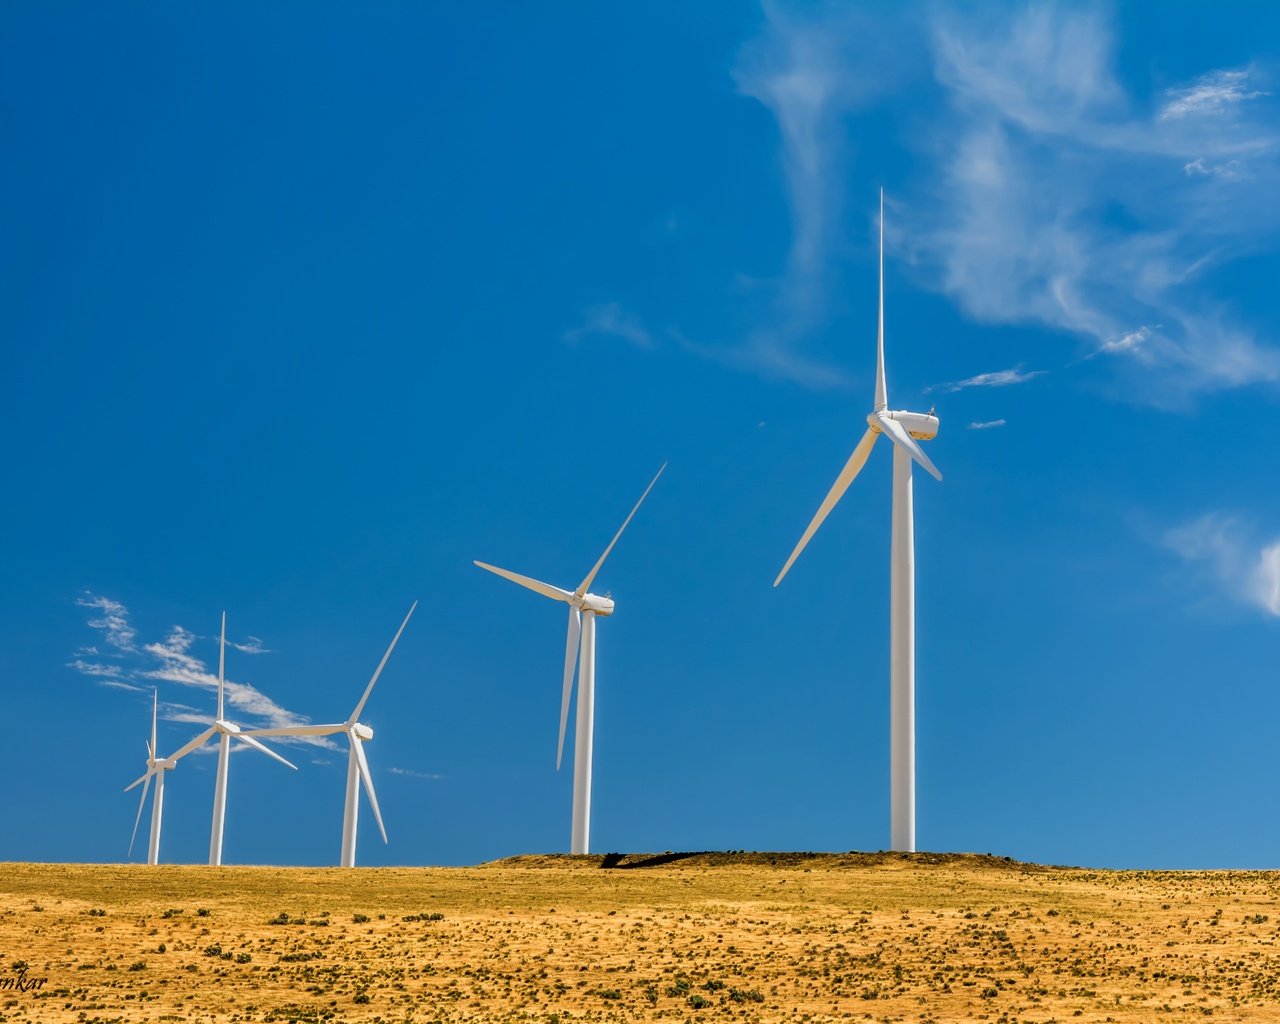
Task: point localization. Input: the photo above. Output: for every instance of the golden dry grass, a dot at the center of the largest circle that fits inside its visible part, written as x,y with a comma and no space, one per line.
708,937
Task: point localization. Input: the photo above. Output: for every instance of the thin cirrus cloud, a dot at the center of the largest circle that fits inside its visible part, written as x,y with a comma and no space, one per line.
993,379
1027,145
610,320
1246,566
112,620
986,425
1215,93
410,773
1045,145
810,73
132,666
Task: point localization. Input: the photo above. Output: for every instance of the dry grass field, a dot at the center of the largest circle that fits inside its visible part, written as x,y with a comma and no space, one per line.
752,937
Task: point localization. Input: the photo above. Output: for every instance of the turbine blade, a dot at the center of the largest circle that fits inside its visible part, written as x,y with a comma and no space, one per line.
222,660
355,715
141,778
882,395
570,663
851,469
898,435
545,589
362,763
155,703
297,730
141,803
585,584
265,749
199,741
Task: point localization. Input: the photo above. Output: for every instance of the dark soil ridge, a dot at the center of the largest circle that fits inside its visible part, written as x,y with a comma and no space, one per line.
745,858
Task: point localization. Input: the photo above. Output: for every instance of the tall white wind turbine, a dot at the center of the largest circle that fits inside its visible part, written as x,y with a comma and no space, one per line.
358,734
225,731
583,609
156,767
903,429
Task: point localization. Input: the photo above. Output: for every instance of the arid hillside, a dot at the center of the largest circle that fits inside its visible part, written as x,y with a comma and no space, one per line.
749,937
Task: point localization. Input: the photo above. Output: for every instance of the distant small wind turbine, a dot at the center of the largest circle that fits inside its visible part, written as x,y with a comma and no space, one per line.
357,764
225,731
156,767
902,428
583,609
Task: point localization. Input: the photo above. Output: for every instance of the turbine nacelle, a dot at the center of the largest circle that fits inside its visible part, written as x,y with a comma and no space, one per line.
923,426
222,725
595,604
361,731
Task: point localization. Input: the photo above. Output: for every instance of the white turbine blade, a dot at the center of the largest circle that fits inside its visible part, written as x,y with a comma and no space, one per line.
362,764
155,702
545,589
570,663
141,803
355,715
882,394
199,741
297,730
140,779
851,469
222,660
265,749
898,435
585,584
151,756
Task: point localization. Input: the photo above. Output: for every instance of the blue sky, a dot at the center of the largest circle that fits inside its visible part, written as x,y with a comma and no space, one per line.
304,308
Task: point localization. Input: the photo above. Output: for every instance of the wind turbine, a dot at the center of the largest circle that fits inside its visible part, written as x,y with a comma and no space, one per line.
357,764
583,609
225,730
903,429
156,766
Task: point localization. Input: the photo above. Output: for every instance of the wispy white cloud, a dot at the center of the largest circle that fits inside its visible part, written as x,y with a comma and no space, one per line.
171,660
409,773
112,620
765,354
1062,202
986,425
251,645
1246,566
993,379
1213,94
810,68
1129,342
610,320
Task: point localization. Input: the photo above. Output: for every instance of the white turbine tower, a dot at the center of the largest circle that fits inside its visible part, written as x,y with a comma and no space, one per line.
156,766
902,429
225,731
357,764
583,609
